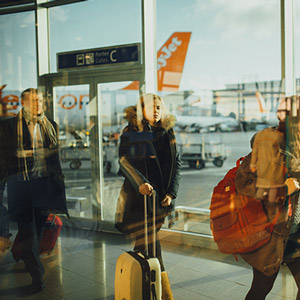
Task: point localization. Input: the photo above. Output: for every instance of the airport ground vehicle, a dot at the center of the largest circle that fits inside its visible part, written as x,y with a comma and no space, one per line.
196,149
74,155
78,151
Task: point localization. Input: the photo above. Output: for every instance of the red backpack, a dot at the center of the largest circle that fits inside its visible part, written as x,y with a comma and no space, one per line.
239,223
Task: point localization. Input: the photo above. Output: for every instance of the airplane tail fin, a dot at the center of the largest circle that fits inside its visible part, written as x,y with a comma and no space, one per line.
170,62
261,102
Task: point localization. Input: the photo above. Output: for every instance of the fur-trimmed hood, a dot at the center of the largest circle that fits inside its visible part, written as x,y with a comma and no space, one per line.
167,123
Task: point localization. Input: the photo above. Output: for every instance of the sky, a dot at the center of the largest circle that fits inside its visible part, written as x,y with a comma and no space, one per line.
232,41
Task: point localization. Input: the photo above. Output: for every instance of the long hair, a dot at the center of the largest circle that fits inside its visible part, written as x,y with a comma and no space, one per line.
288,113
142,102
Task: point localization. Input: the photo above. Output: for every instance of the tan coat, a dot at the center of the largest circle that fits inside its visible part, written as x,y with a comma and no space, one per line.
267,159
268,258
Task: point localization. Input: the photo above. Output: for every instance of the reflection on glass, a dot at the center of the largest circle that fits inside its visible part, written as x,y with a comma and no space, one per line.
18,52
114,98
82,24
228,90
75,113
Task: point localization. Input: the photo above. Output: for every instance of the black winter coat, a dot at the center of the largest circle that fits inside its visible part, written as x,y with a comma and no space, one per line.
149,156
51,195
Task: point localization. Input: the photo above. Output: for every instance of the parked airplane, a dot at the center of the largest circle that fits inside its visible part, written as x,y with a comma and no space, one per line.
266,116
196,123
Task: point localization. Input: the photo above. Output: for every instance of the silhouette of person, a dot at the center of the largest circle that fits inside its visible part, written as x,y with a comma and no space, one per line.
35,184
149,161
263,175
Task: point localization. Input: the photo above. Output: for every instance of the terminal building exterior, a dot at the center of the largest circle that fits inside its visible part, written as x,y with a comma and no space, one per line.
250,103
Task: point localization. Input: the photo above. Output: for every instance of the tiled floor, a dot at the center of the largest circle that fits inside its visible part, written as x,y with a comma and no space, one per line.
82,267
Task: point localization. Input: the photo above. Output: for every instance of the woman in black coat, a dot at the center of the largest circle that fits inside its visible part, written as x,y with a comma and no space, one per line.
149,160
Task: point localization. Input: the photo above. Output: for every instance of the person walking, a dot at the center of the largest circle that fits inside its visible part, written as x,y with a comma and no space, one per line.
263,175
149,161
35,182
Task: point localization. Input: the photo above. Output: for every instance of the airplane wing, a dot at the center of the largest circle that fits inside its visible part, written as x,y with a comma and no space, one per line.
203,121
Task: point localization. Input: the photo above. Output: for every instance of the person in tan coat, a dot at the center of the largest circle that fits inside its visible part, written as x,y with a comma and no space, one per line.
262,175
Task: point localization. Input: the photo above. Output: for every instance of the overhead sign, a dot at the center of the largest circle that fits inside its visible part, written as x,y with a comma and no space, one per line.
122,54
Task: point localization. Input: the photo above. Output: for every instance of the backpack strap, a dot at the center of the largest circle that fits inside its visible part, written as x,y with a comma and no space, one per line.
238,162
273,223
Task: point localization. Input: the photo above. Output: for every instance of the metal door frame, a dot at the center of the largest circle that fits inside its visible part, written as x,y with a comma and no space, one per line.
91,77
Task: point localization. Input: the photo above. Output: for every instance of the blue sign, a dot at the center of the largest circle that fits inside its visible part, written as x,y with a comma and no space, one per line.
99,57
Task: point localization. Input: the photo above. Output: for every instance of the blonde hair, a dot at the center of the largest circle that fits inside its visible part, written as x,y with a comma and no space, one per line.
142,102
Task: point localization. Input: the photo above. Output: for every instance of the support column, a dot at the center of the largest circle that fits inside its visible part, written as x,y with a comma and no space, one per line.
288,47
149,45
42,39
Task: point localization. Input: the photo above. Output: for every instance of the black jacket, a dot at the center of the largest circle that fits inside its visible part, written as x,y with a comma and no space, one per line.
149,156
52,198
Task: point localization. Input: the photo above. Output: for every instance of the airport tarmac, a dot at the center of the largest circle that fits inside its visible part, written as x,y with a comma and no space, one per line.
195,189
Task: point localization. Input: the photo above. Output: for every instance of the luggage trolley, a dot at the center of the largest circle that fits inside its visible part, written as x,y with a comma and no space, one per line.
197,149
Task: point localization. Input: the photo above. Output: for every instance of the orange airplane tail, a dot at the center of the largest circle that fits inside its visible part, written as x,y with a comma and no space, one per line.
170,63
261,102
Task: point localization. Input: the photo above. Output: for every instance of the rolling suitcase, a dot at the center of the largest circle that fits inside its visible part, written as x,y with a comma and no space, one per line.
138,276
50,234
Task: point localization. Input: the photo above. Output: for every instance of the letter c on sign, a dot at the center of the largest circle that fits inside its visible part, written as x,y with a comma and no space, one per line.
111,55
67,107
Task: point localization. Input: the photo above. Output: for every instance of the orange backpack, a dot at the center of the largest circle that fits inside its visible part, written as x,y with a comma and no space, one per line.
239,223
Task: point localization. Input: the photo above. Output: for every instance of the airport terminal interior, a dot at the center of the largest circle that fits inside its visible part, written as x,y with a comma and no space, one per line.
221,68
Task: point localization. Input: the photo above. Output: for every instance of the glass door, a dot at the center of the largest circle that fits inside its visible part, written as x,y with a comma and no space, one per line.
113,97
77,116
90,114
88,107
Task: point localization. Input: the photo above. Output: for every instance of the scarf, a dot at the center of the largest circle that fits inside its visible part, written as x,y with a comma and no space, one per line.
48,132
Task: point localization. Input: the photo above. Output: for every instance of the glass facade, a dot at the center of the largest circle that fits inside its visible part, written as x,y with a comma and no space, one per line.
90,24
297,46
100,144
18,55
220,78
229,89
113,99
218,72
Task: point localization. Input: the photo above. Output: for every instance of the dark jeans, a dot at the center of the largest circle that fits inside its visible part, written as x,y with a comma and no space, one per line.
262,284
30,225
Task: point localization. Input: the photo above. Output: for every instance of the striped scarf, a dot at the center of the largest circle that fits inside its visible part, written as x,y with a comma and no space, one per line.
48,131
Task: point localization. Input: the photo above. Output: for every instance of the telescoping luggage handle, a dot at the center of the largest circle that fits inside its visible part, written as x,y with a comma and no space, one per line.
153,225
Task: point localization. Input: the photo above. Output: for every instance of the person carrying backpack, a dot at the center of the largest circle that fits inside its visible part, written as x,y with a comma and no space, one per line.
263,175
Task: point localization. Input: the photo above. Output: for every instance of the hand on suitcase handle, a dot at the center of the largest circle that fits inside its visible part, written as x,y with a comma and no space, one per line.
167,200
146,189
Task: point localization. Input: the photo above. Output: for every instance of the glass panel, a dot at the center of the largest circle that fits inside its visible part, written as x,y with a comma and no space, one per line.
17,59
77,115
227,89
297,46
94,24
113,101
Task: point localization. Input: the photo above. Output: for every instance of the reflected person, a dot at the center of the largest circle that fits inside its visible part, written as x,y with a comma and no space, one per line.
263,175
35,184
149,161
